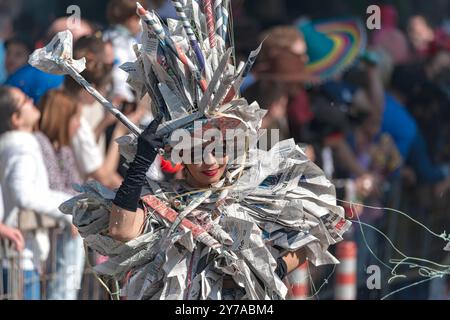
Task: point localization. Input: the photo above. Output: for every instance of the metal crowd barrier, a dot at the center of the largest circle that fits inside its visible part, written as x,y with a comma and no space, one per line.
13,279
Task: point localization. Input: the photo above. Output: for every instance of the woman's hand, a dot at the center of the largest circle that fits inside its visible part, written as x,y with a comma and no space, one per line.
149,143
13,235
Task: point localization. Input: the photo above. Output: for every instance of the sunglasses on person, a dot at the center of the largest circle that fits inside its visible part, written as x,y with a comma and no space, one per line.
219,151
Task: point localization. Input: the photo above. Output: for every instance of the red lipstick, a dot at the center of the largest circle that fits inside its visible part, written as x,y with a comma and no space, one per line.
210,173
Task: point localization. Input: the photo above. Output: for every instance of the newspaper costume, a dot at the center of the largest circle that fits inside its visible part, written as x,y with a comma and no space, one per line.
267,203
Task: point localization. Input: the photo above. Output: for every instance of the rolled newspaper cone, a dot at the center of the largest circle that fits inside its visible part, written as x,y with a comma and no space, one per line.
210,22
152,21
219,17
190,33
211,30
234,90
226,18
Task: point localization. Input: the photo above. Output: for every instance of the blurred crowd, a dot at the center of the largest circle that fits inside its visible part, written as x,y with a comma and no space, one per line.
372,110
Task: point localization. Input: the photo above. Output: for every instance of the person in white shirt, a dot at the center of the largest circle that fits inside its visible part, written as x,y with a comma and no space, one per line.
24,180
125,30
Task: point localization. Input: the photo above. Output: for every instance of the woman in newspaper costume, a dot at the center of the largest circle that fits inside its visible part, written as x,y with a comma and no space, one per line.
241,218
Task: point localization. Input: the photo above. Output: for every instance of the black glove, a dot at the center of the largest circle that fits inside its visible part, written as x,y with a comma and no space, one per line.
129,193
281,269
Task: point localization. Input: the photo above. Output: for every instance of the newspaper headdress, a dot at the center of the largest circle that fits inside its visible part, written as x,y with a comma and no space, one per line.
186,68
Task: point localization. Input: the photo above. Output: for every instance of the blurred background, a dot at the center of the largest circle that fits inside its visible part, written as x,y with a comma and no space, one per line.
366,94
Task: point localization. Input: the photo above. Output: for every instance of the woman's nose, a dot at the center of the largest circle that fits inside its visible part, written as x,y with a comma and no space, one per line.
209,158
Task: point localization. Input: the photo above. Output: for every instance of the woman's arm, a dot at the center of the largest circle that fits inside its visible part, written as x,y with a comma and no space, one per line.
127,220
289,262
125,225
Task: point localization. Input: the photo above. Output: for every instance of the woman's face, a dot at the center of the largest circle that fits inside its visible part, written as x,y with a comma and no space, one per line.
16,57
27,115
209,172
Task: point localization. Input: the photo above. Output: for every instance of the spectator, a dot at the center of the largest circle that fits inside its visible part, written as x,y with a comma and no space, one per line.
425,39
36,83
24,180
396,119
89,157
164,8
420,34
279,76
438,62
5,33
285,59
390,37
82,29
95,49
59,123
17,53
332,46
406,83
33,82
125,28
377,154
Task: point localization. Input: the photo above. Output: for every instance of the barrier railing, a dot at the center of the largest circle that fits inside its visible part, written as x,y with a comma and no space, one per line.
57,279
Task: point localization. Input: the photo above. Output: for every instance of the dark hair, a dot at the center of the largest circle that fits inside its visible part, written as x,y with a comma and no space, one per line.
8,106
97,72
20,40
408,79
265,93
358,77
119,11
428,94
